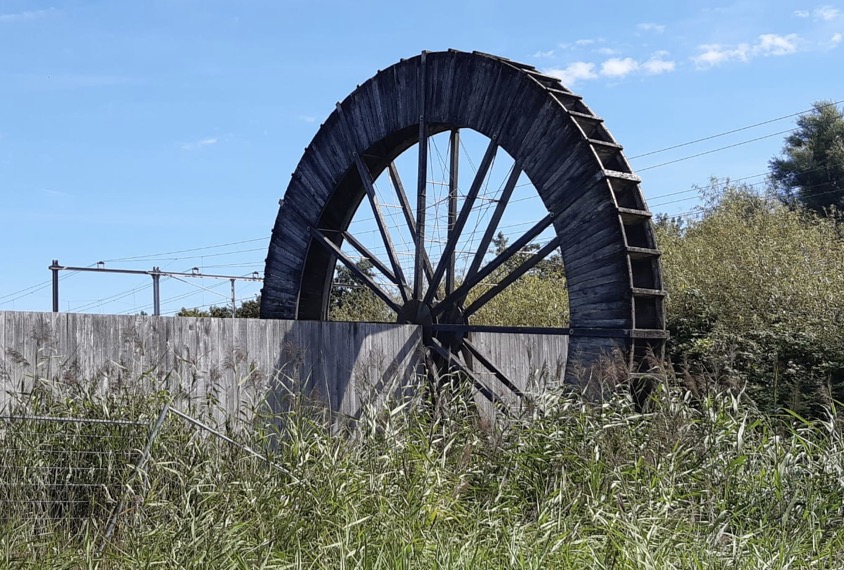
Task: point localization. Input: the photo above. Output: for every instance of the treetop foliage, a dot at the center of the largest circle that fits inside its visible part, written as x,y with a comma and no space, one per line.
810,172
250,309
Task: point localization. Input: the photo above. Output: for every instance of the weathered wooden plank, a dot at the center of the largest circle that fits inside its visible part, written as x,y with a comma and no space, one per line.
439,93
534,362
5,369
346,365
608,274
596,258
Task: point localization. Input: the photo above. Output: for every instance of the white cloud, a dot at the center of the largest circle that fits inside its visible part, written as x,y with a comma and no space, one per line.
836,38
613,68
716,54
617,67
651,27
584,42
606,51
543,54
767,44
27,15
574,72
307,118
772,44
657,65
825,13
200,143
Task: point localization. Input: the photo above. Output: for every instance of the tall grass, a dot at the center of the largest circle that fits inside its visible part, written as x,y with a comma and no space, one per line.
707,483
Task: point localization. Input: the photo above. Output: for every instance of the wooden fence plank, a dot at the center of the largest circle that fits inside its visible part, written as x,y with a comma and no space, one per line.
234,367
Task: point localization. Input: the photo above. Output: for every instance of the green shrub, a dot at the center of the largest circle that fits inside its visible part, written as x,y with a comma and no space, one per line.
756,298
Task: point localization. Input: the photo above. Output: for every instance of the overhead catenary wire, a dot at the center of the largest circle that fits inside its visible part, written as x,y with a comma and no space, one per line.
654,200
31,290
732,131
714,150
171,300
154,256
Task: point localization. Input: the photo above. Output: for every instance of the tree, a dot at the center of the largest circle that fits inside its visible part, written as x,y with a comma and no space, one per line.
811,171
537,298
250,309
352,300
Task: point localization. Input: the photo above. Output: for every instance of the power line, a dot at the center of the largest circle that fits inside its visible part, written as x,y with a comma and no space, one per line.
105,300
714,150
696,188
725,133
26,292
153,256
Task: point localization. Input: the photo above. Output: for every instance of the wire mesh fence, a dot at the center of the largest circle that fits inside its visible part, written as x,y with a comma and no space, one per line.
77,476
62,473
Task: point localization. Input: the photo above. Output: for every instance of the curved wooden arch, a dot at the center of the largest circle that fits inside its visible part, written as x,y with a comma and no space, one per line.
591,196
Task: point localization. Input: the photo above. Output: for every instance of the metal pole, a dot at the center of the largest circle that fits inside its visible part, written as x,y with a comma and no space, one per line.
234,301
156,297
55,267
139,467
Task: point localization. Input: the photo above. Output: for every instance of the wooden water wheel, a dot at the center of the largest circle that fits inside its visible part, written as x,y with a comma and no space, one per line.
589,210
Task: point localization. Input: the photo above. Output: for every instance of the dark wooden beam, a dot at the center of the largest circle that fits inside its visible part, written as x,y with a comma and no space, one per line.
486,363
421,184
460,293
465,210
322,240
511,277
503,200
453,173
371,258
407,211
369,186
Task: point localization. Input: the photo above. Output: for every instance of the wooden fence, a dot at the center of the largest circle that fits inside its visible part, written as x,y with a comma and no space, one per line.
233,366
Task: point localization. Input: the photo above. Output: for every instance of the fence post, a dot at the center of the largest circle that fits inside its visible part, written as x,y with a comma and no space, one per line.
142,461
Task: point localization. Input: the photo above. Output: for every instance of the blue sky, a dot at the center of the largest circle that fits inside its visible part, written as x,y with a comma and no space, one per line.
129,130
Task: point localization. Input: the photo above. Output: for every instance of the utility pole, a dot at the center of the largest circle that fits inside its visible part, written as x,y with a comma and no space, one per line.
55,269
234,301
156,297
155,273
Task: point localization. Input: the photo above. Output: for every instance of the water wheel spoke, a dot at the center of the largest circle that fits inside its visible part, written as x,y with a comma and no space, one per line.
487,363
511,277
356,271
465,369
503,200
453,173
421,192
395,178
369,256
465,210
369,187
459,294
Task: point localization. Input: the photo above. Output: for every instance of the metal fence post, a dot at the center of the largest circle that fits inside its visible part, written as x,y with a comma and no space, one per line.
142,461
